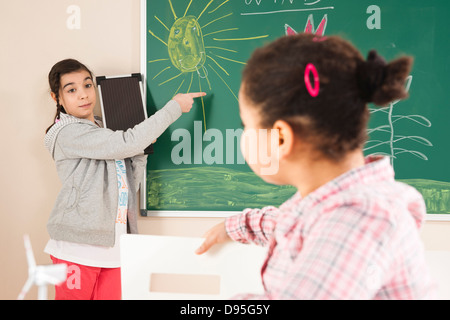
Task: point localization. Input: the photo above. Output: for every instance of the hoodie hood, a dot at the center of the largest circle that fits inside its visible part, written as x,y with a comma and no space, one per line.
52,134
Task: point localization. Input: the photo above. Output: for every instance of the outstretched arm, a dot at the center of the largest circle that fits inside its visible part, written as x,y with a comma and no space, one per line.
251,226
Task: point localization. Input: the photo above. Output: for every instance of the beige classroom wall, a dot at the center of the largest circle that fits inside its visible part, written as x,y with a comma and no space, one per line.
34,35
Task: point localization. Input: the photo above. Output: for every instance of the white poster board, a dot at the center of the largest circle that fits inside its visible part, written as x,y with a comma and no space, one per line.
154,265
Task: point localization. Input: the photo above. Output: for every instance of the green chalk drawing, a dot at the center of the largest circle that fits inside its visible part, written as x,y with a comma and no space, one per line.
435,193
211,189
224,189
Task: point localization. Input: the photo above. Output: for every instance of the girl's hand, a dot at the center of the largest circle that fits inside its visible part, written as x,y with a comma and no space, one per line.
185,100
215,235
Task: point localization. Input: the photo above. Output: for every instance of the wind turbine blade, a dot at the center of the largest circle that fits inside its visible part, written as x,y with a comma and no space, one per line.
25,288
29,252
51,274
52,277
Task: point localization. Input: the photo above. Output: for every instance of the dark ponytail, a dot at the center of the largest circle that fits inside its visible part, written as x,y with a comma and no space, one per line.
335,120
54,79
382,82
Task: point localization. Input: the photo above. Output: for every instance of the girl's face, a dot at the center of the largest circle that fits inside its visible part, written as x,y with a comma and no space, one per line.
77,94
259,146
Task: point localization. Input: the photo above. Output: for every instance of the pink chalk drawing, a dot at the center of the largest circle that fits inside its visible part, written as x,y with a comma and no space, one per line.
309,28
289,30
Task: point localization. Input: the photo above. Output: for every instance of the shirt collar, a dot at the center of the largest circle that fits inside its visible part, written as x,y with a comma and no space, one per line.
376,169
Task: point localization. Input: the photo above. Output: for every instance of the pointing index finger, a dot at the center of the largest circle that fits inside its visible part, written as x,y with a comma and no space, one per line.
197,94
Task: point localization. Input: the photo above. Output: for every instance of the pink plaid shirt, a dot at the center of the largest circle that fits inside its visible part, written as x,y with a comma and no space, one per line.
355,237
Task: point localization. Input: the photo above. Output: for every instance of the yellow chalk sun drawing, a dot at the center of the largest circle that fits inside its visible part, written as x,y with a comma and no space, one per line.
187,46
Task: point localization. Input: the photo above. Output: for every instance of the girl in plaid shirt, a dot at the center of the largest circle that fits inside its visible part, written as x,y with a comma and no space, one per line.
351,230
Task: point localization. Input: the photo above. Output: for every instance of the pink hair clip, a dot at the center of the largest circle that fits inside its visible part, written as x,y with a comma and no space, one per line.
57,120
312,91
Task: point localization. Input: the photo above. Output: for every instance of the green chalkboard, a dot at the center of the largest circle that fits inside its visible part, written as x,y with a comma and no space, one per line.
197,165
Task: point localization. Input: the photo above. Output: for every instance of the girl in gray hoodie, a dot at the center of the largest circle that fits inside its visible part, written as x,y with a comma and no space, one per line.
100,171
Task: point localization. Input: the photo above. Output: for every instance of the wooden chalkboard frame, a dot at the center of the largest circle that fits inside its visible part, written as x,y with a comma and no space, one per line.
183,213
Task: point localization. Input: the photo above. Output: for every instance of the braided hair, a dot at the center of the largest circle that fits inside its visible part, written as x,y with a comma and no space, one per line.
54,79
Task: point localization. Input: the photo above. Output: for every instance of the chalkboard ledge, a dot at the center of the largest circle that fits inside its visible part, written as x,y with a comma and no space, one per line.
188,214
437,217
225,214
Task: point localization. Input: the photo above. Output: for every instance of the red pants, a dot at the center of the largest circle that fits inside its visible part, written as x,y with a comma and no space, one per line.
88,283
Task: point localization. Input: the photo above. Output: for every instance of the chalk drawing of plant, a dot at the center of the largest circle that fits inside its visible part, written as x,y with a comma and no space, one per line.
394,138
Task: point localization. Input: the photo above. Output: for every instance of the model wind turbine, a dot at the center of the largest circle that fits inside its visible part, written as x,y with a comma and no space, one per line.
41,275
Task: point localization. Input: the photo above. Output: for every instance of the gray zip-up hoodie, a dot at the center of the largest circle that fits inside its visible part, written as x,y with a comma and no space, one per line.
86,207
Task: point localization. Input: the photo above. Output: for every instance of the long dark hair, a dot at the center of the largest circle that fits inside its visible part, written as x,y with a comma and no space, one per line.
54,79
334,121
